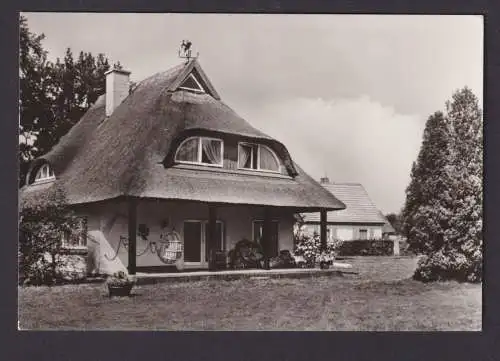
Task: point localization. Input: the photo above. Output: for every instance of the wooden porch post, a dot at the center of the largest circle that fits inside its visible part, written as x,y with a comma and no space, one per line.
322,228
132,235
211,234
266,236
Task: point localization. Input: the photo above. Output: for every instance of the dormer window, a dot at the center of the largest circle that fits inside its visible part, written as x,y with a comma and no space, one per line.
257,157
192,84
201,150
44,174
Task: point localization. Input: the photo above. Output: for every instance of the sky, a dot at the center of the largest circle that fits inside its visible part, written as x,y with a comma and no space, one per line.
347,94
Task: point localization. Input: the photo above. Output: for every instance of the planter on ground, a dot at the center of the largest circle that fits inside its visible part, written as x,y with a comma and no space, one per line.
120,284
120,291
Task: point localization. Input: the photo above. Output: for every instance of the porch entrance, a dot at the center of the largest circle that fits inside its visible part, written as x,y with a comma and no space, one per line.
195,242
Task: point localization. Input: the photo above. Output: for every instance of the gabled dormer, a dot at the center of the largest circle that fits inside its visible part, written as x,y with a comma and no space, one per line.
194,79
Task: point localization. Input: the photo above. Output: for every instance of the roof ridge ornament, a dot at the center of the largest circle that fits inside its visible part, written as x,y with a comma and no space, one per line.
185,50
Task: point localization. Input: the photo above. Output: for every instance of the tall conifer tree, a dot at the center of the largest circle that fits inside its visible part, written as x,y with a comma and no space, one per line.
425,213
443,211
464,237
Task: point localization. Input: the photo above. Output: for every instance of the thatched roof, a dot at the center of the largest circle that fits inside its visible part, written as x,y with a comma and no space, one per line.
130,152
359,207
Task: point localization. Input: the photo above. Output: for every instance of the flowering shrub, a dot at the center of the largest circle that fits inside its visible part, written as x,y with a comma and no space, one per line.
309,248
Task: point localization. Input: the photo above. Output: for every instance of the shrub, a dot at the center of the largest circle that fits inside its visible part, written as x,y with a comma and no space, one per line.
41,225
283,260
310,249
246,254
448,265
367,247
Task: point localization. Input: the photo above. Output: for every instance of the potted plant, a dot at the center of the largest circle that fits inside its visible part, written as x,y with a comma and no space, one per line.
120,284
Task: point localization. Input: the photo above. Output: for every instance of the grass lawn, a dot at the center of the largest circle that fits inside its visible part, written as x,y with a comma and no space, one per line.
379,298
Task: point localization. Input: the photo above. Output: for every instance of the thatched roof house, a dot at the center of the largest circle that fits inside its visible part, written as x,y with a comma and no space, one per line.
171,156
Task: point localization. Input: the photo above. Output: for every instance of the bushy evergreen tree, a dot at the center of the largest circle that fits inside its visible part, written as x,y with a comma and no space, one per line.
442,217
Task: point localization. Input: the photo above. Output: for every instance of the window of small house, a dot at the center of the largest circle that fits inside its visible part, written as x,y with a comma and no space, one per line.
44,173
258,157
77,237
200,150
363,234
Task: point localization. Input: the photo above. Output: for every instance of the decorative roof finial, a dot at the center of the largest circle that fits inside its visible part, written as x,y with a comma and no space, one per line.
185,50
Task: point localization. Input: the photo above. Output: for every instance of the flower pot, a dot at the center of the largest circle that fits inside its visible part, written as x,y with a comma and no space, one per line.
324,265
120,290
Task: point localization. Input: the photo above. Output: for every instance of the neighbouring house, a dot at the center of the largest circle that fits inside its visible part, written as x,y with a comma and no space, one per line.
360,220
166,174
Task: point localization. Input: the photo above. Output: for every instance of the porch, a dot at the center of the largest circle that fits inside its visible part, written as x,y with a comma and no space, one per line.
230,275
203,229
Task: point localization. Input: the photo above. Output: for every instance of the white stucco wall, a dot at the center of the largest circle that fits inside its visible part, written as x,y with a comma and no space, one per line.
347,232
108,221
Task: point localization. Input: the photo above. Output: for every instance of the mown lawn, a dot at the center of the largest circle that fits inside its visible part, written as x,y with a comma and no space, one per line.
376,299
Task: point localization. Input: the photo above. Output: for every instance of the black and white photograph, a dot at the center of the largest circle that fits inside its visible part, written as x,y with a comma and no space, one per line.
250,172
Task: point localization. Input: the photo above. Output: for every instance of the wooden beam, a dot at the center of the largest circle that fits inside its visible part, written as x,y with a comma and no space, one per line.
266,236
132,235
211,236
322,228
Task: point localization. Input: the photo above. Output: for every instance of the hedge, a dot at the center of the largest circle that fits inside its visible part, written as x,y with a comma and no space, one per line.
367,247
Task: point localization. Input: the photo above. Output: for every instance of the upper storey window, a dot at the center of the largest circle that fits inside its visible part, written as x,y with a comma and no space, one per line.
192,84
200,150
258,157
45,173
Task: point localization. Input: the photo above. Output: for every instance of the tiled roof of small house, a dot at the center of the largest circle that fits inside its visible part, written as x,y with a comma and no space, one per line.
359,206
130,152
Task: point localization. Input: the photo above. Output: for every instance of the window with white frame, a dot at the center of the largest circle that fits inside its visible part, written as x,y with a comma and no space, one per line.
77,237
257,157
201,150
363,234
45,173
192,84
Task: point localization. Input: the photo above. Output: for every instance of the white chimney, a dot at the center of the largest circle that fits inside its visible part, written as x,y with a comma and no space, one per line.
117,88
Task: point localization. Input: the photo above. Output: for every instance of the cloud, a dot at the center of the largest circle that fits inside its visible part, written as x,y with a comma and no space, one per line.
301,77
349,139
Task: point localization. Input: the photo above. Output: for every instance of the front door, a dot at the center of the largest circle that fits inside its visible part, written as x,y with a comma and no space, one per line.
271,247
195,242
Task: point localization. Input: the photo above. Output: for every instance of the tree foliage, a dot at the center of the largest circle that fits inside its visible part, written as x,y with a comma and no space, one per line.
442,217
42,224
395,221
425,213
53,96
